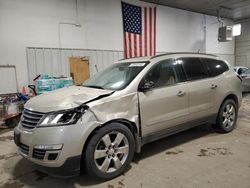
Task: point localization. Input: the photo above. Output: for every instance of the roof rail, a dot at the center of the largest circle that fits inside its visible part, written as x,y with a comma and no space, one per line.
172,53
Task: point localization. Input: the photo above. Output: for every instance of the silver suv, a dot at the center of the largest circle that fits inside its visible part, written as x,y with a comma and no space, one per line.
100,125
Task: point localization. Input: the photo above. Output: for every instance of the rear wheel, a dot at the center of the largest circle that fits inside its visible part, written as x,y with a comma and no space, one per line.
227,117
109,151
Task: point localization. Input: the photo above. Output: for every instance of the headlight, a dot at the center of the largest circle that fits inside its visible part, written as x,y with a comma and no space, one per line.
65,117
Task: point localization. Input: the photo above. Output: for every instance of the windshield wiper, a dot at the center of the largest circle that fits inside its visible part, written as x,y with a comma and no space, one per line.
93,86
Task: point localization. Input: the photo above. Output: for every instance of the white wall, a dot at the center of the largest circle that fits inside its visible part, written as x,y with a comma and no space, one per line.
179,30
225,50
35,23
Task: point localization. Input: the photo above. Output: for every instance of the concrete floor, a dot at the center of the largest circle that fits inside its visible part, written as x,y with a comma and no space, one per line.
195,158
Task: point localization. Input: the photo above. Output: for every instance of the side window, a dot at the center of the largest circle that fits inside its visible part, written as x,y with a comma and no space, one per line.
247,72
193,68
244,70
165,73
215,67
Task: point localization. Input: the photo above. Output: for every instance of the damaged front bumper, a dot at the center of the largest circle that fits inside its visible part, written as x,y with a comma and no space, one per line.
57,150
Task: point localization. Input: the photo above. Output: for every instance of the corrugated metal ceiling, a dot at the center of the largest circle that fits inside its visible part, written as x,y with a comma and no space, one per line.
233,9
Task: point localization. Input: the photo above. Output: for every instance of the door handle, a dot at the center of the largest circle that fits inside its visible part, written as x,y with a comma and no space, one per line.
213,86
181,93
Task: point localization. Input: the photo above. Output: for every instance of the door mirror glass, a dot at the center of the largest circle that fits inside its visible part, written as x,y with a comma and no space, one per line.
146,86
243,75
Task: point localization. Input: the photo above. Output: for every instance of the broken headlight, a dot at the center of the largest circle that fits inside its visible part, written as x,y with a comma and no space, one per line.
65,117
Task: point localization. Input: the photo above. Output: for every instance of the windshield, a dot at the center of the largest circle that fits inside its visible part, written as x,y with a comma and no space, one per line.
116,77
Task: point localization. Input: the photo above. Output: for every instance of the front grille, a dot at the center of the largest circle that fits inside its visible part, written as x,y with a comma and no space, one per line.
38,154
30,118
24,149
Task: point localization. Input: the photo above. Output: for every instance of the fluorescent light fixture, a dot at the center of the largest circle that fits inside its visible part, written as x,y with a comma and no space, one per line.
236,30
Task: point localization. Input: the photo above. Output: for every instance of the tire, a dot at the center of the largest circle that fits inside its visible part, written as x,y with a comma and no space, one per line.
227,117
109,152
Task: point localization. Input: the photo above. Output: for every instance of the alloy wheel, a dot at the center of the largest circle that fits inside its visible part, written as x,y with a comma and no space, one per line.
228,116
111,152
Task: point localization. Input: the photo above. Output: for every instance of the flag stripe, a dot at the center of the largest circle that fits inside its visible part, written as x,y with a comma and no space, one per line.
143,34
140,41
135,46
145,30
154,31
148,34
138,45
130,46
150,31
125,45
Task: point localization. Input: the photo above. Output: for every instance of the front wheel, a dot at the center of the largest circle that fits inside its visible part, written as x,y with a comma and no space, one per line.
227,117
109,151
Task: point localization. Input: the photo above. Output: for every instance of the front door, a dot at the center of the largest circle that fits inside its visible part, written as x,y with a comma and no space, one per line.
166,104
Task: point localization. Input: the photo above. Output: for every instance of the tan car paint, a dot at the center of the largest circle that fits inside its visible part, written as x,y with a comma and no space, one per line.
65,98
158,109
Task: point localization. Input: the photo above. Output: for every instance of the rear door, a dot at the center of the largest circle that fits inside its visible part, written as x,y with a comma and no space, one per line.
216,68
199,86
166,104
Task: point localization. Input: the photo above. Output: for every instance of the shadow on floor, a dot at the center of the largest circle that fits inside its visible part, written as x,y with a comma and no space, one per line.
25,172
245,94
173,141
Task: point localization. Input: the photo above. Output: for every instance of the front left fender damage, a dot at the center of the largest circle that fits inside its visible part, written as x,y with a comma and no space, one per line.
117,108
110,108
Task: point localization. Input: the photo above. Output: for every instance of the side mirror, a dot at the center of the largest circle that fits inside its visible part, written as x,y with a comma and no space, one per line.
146,86
243,75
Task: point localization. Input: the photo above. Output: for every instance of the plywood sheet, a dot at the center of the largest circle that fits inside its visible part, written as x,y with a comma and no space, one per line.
79,69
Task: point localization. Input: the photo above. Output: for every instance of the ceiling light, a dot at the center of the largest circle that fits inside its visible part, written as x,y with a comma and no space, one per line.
236,30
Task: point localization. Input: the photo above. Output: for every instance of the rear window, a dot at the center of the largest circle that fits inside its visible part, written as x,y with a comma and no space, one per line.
194,68
215,67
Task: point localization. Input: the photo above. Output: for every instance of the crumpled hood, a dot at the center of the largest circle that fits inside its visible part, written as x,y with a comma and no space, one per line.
65,98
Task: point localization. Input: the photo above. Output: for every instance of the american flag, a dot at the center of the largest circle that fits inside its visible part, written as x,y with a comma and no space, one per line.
139,26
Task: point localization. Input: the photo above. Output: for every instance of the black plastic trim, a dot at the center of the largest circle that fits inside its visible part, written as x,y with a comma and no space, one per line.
99,97
178,128
184,53
70,168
